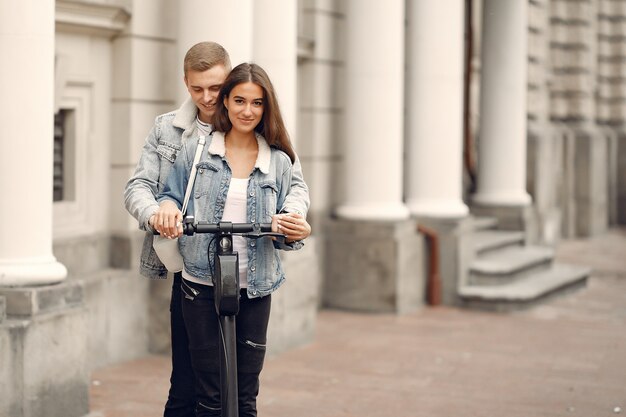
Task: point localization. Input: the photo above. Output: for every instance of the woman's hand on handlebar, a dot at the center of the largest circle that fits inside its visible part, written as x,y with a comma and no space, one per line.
168,220
293,225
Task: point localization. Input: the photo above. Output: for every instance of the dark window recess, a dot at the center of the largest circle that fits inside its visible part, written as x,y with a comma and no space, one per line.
59,143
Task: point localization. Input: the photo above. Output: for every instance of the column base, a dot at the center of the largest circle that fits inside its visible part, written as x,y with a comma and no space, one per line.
438,208
375,212
40,271
373,266
43,352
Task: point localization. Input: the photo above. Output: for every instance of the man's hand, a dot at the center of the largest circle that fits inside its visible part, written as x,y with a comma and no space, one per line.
168,220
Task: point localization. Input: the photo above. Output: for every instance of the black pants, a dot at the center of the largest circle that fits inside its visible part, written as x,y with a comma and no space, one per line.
202,325
181,400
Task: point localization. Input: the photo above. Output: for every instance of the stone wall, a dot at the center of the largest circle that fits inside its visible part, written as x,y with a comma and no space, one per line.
43,351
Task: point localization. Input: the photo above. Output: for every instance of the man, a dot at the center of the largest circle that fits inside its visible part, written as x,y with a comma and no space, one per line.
206,66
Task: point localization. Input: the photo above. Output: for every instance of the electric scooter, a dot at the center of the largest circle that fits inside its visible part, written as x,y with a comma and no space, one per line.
226,289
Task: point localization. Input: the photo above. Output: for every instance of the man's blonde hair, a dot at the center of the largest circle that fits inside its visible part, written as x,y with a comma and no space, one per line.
205,55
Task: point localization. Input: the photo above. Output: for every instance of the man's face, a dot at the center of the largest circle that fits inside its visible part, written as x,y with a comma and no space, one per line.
203,87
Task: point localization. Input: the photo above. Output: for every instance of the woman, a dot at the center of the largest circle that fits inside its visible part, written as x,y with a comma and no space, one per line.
244,175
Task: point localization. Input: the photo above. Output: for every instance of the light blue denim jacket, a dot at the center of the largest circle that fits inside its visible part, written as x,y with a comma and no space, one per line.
169,132
269,185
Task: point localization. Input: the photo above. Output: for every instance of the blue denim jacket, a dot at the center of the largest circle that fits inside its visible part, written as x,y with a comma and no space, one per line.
269,184
169,132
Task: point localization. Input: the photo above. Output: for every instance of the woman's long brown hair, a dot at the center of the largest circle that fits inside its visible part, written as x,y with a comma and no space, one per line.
271,125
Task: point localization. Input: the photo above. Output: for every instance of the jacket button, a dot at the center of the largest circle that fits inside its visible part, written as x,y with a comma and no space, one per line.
253,268
251,193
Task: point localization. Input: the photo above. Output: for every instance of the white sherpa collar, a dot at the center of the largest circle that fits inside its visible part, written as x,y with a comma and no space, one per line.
186,115
218,147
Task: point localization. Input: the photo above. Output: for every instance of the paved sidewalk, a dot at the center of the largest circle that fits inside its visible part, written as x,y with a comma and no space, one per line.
564,358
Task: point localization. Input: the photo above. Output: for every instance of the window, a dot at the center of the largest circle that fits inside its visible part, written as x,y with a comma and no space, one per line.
63,172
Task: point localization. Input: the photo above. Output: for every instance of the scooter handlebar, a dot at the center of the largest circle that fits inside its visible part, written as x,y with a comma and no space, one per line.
190,228
250,230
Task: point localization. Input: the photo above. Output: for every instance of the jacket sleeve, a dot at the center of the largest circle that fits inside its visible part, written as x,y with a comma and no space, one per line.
297,199
293,197
141,189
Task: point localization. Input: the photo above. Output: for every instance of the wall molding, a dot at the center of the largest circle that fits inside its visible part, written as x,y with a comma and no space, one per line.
91,18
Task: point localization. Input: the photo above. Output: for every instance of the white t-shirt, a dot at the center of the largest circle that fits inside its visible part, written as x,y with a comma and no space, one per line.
235,210
204,129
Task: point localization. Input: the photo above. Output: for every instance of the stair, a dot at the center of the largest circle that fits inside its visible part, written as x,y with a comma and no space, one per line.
489,240
506,274
509,264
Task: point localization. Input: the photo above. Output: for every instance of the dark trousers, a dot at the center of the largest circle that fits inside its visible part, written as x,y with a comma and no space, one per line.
181,400
202,324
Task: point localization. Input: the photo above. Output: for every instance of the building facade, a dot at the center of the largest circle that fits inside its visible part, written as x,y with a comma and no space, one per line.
448,146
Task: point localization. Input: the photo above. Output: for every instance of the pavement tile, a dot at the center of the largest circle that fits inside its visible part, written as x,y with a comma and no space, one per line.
560,359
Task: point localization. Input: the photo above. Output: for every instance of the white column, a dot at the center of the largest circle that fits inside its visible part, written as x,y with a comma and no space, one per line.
275,49
502,139
228,23
27,106
435,108
374,96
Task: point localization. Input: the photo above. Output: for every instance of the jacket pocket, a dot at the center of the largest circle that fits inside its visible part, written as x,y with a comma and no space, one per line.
205,178
168,150
269,195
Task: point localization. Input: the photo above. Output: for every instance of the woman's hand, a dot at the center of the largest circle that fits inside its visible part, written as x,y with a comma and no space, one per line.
168,220
292,225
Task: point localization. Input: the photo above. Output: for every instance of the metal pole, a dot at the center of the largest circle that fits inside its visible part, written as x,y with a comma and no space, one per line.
228,367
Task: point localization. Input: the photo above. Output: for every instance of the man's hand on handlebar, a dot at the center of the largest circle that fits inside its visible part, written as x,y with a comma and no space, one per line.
168,220
292,225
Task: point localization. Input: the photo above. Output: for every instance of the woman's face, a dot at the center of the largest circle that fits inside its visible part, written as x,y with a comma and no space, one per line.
245,106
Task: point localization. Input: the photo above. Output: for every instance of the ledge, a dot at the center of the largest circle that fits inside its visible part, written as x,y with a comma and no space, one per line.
91,18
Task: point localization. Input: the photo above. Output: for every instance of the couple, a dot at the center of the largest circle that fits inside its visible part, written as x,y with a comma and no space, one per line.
248,172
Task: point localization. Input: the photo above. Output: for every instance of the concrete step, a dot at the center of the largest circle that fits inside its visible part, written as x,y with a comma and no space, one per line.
488,240
558,279
484,223
509,264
